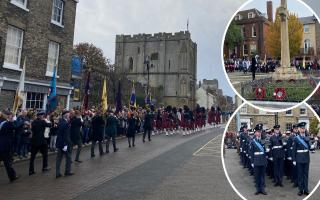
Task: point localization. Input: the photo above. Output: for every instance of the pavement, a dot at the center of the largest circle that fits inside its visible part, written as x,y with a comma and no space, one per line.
167,168
245,185
240,77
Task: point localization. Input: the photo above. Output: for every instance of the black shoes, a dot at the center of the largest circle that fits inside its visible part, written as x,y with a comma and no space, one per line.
300,193
78,161
69,174
58,176
306,193
46,169
115,150
14,178
92,155
32,173
262,192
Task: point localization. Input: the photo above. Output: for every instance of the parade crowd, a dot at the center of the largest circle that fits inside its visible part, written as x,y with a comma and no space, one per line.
24,134
271,153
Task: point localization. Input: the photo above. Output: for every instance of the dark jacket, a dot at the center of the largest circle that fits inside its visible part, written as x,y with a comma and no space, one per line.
258,157
276,146
38,127
300,154
75,130
63,136
111,126
97,128
131,127
148,119
6,136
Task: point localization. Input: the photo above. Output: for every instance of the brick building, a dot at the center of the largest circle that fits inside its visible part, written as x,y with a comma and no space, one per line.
251,116
253,25
41,32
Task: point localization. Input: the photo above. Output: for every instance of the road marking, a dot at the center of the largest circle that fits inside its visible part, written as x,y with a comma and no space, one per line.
211,148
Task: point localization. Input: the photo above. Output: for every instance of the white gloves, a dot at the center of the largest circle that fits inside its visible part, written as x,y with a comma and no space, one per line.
65,148
294,163
252,165
271,159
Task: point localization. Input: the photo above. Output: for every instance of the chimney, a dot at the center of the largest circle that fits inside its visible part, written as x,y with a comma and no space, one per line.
270,11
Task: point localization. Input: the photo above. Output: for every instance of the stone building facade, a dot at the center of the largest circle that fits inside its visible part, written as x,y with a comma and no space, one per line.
251,116
173,65
40,32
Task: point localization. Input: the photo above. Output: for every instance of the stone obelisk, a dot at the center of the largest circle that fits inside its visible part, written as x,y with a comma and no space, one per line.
285,71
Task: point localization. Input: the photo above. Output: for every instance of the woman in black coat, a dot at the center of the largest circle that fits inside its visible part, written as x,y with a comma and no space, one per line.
97,126
131,132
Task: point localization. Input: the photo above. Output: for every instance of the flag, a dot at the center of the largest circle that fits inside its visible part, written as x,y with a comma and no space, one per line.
304,62
85,103
119,99
52,102
104,98
18,99
148,99
133,101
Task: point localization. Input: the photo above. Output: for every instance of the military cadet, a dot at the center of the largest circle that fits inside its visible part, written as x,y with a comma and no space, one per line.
112,123
294,173
301,158
243,138
278,155
259,160
249,151
269,169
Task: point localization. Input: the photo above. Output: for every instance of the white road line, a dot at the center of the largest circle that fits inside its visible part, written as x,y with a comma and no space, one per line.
195,153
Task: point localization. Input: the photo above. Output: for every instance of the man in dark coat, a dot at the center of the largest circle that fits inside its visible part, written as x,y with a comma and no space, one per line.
19,123
148,119
97,126
64,145
76,124
111,131
254,67
7,129
39,142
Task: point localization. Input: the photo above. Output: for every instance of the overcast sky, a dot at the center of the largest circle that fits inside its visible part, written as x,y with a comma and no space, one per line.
99,21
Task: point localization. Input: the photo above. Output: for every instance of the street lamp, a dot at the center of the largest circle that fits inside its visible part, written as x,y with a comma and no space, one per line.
147,63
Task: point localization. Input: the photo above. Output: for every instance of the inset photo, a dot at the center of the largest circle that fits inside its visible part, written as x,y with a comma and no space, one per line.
272,155
271,53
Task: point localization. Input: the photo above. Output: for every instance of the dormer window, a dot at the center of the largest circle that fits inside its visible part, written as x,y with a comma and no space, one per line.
250,15
238,17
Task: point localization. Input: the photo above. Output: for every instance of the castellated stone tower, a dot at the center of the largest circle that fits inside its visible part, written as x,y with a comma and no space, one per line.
172,65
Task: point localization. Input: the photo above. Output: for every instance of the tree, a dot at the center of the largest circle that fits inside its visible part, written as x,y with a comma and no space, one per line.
233,36
314,126
273,36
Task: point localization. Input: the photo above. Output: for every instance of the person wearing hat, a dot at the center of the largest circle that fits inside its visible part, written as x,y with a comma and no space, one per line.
112,123
76,123
98,126
39,142
301,158
243,141
259,160
147,126
278,155
7,129
64,144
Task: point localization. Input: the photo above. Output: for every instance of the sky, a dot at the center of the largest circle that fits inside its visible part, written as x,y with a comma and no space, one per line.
99,21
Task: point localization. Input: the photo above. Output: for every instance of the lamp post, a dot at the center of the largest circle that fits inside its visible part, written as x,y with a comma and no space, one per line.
147,64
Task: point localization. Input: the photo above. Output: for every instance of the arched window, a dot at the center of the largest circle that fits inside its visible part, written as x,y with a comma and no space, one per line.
307,45
130,63
254,31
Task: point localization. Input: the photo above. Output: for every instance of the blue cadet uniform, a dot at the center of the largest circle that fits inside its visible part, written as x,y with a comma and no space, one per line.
301,158
278,155
259,161
243,138
294,171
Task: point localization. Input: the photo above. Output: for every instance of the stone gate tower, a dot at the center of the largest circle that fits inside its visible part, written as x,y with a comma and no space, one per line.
173,65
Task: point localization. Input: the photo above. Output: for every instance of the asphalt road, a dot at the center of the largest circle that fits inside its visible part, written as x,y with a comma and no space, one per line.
245,185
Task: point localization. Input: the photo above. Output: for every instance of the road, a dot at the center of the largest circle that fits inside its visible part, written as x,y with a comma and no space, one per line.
167,168
245,185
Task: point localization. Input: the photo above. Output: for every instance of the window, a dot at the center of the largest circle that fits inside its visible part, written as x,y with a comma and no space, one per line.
14,41
34,100
57,12
130,63
253,49
245,50
20,3
243,30
254,31
303,111
53,57
307,46
289,112
250,15
288,126
238,17
244,109
306,28
138,49
155,56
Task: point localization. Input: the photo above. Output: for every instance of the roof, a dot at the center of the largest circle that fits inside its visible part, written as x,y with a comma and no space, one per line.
244,13
308,20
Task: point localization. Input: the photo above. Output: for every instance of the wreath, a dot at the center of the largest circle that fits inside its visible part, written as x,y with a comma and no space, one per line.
280,94
260,93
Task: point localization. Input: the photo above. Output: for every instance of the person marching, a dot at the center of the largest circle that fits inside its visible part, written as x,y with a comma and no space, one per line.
64,145
148,119
7,129
39,142
301,158
75,131
111,131
131,129
98,124
259,160
278,155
